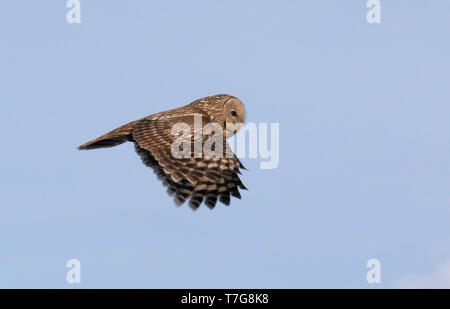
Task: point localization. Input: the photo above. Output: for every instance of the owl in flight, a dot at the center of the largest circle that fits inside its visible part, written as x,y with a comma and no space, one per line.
197,176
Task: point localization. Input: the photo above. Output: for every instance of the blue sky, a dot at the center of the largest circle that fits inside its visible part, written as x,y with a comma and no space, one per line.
364,143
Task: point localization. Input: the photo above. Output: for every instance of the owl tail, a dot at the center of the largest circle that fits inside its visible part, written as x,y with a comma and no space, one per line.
111,139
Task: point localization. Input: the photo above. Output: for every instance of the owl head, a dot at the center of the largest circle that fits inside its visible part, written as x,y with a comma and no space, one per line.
234,115
224,109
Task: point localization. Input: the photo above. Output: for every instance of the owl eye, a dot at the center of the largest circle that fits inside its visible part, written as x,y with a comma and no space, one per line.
233,113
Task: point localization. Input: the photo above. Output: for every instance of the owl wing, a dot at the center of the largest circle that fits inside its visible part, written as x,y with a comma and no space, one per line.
198,179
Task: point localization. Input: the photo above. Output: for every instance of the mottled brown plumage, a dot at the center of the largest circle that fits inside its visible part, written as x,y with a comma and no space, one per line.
203,178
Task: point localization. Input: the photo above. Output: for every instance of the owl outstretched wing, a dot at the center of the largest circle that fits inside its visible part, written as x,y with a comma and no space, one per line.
205,178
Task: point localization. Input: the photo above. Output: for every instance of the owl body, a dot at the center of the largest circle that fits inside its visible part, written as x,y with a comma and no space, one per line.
197,177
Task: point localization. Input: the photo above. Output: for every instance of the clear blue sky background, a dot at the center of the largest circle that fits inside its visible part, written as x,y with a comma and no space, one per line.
364,113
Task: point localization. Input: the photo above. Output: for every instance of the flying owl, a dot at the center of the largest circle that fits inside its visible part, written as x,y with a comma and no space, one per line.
195,176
